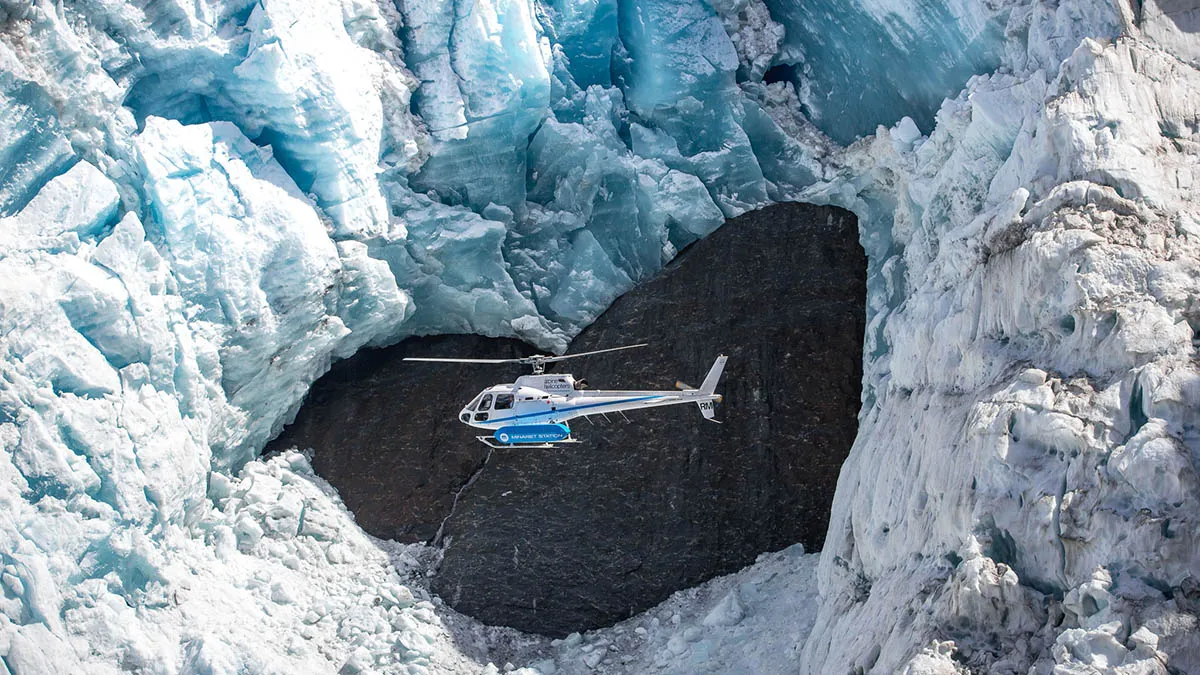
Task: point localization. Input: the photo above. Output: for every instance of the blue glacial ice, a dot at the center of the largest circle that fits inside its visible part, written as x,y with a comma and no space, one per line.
860,64
203,204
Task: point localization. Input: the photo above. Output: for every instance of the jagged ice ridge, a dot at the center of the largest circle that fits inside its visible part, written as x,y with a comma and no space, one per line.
205,203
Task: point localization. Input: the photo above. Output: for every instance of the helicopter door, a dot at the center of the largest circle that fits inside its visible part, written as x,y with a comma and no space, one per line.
484,406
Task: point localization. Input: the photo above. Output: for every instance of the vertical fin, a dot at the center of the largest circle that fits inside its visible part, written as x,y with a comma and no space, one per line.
710,381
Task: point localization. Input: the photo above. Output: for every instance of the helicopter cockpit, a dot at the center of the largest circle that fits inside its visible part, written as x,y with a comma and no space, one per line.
487,403
481,405
498,401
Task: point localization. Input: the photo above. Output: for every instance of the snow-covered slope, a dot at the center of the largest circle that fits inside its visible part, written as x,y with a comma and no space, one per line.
204,203
754,621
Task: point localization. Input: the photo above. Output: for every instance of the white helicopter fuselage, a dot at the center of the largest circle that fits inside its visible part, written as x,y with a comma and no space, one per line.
525,402
536,408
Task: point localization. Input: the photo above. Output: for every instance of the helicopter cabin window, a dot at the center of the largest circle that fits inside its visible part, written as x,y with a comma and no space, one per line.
504,401
486,403
474,403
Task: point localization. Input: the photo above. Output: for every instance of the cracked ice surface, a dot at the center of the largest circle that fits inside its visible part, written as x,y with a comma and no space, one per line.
202,204
1023,492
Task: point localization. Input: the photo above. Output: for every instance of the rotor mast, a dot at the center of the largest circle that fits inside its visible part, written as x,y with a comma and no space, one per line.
538,363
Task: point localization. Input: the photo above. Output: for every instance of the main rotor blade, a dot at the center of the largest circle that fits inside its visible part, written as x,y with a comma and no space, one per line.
438,360
535,359
598,351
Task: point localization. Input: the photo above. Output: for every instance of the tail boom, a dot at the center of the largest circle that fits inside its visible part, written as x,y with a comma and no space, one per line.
601,402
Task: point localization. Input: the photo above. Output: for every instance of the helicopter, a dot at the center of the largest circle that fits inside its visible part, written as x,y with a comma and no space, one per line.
533,411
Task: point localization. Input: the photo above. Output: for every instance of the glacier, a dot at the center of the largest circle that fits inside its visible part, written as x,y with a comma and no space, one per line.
203,204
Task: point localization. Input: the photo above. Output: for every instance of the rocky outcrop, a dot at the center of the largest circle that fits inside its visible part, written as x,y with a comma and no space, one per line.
384,432
553,541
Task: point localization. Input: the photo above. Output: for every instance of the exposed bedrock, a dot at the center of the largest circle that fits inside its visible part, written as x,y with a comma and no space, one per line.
553,541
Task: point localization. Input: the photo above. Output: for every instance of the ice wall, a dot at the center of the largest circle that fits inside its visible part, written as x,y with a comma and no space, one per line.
1023,493
204,203
170,289
859,64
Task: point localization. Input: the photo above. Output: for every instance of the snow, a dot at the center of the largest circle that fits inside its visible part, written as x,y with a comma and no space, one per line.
752,621
203,204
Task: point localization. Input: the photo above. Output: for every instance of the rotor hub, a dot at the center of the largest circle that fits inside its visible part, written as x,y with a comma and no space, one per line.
537,362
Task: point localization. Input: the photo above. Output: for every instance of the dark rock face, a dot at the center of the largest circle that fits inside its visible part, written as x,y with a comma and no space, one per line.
384,432
554,541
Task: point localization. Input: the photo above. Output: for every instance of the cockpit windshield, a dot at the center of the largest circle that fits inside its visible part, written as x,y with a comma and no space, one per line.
474,402
486,403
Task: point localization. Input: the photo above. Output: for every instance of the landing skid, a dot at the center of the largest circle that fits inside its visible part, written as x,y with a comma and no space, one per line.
490,441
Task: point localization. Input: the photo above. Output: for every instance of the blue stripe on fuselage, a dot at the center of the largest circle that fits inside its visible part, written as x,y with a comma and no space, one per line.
580,407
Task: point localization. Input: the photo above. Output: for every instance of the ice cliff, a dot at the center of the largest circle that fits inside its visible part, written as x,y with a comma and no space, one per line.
205,203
